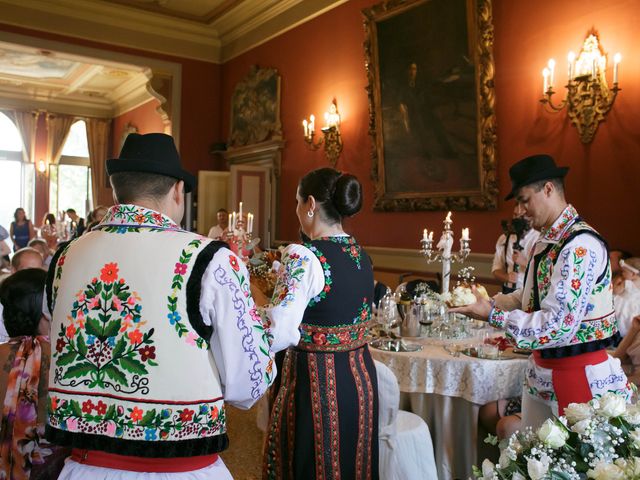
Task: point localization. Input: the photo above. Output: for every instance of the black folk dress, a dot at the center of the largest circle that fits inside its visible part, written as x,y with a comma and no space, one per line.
324,422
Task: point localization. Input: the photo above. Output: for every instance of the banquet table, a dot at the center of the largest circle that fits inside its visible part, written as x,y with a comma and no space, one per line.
447,391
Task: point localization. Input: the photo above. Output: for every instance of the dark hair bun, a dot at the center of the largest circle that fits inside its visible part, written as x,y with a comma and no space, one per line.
21,296
347,197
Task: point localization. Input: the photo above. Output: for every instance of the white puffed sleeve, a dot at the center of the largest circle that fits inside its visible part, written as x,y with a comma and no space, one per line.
300,278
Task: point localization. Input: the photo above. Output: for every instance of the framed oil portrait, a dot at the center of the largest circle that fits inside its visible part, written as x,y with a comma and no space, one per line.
431,102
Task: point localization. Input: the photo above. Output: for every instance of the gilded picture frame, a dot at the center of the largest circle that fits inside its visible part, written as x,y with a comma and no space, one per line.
431,96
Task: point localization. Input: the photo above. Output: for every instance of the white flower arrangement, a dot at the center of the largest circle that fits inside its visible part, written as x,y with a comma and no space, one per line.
597,440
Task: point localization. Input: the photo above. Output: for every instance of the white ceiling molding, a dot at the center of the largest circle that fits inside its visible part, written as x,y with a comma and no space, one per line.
232,28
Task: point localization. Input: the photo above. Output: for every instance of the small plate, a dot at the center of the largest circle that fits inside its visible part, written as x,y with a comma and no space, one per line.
391,345
504,355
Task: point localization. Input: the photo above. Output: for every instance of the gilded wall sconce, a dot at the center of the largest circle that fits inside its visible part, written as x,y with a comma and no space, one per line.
332,139
588,98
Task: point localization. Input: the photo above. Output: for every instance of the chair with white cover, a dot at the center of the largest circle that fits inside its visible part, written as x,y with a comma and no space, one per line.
406,449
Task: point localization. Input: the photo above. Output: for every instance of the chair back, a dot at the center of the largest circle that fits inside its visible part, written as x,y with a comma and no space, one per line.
388,395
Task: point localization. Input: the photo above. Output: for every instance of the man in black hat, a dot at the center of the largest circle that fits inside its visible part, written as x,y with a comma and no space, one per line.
154,330
564,312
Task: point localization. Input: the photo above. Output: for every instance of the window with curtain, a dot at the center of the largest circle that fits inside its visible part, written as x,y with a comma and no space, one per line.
17,178
70,179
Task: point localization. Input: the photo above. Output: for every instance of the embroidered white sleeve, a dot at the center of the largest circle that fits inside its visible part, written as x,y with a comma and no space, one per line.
240,341
300,278
565,303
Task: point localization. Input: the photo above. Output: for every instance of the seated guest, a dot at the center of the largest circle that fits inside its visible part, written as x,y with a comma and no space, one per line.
217,231
41,246
626,302
629,352
502,417
49,231
615,256
24,453
27,258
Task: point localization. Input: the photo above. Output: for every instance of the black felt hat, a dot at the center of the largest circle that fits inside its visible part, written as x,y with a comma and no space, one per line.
533,169
151,153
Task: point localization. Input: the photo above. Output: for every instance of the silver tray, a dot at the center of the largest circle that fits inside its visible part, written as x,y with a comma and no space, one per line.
394,345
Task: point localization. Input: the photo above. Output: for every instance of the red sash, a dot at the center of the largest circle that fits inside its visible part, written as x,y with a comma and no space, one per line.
97,458
568,376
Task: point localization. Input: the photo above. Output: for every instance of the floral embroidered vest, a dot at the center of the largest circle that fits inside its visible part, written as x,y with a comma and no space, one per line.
337,319
598,327
131,371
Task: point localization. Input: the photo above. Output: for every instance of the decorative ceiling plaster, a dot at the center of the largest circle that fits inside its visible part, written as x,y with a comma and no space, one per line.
36,78
209,30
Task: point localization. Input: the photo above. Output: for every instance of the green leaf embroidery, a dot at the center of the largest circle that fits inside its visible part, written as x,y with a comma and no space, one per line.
66,358
79,370
116,375
132,365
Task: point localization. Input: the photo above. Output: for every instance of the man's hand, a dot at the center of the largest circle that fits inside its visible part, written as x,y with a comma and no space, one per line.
513,277
479,310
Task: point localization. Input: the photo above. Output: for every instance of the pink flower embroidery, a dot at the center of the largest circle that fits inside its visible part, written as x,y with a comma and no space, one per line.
117,304
72,424
111,429
191,338
181,268
93,303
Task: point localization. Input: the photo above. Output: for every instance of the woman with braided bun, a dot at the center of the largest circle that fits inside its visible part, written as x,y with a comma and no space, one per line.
324,421
24,360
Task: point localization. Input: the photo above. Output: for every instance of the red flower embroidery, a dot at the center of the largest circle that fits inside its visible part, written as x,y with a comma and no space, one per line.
599,334
157,217
581,252
354,251
323,259
94,280
568,320
344,337
135,337
87,406
60,345
186,415
109,273
181,269
327,288
544,340
147,352
233,261
61,260
71,331
319,339
101,408
214,413
54,403
269,368
136,414
575,284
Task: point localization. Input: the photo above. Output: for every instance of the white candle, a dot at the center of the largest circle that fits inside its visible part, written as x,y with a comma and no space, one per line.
431,236
233,221
306,129
425,235
250,222
312,126
593,69
229,224
240,212
552,68
571,58
545,75
465,234
448,219
616,62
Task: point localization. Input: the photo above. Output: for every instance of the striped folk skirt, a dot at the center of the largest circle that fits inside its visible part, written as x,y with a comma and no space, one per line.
324,421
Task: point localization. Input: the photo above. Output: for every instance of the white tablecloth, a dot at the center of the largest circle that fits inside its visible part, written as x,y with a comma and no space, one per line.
447,392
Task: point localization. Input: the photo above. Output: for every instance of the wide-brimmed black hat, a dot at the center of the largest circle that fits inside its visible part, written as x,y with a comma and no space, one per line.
151,153
533,169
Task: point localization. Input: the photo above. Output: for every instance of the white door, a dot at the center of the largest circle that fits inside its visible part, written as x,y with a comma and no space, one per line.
251,185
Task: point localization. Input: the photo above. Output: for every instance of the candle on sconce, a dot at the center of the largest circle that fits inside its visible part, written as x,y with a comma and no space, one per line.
240,213
229,224
305,127
616,62
465,234
593,69
552,67
448,219
431,236
425,235
571,58
545,75
312,126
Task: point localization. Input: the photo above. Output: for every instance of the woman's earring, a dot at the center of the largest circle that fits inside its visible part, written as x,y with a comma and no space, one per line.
310,214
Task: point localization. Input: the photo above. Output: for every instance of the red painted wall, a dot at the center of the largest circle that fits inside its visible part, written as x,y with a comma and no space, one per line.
324,58
145,118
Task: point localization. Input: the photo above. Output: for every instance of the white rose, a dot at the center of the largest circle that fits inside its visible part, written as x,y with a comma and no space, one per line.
612,405
632,415
517,476
504,460
606,471
537,469
552,434
582,427
488,468
577,412
634,435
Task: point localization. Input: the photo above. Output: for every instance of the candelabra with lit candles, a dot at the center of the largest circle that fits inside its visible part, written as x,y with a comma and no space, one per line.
239,234
443,249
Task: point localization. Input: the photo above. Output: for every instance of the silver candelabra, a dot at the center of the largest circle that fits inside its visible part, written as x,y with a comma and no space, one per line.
442,253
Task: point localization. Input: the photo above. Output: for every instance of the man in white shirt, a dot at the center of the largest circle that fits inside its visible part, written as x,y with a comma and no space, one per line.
513,252
217,231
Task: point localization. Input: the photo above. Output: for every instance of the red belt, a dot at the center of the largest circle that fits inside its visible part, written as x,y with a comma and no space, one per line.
97,458
568,376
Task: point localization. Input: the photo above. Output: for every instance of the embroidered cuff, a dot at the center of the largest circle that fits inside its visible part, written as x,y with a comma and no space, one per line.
497,317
